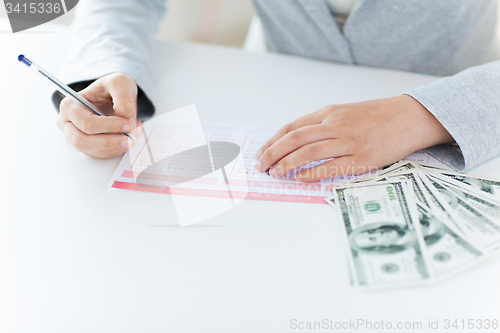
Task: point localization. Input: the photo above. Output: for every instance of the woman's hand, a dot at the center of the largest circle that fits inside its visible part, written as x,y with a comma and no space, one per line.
362,137
115,95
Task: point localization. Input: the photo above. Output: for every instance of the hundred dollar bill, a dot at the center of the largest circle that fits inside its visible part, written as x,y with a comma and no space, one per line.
408,170
474,224
430,167
475,198
488,187
435,204
412,178
448,252
427,198
380,173
382,231
398,167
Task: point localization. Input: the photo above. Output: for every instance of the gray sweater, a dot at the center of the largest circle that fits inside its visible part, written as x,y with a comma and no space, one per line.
454,38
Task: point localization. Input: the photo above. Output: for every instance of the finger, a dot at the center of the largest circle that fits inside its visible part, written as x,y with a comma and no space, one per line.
345,165
86,143
291,142
310,119
309,153
102,154
123,92
138,130
90,123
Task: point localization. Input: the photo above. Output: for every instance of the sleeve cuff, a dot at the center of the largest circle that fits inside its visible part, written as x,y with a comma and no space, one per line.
468,106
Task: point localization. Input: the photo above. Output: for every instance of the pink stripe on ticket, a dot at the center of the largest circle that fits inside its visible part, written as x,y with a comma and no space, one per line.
220,194
175,179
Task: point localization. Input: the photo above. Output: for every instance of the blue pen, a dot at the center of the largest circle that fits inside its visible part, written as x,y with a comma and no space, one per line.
64,89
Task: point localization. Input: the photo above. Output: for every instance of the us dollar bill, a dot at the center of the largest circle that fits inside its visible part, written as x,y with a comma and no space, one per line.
382,231
430,167
475,198
377,175
487,187
424,197
409,171
475,225
448,251
412,178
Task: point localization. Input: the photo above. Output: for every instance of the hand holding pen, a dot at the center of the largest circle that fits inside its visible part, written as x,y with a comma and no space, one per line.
96,119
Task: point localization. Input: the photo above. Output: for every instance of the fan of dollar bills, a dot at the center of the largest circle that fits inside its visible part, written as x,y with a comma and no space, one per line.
413,223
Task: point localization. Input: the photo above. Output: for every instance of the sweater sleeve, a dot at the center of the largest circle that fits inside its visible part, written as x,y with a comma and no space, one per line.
468,106
110,36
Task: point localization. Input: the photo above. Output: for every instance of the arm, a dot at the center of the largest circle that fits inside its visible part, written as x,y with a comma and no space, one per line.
468,106
112,36
462,109
110,57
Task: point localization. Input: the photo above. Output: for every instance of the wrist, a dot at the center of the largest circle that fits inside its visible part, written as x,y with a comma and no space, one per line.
426,130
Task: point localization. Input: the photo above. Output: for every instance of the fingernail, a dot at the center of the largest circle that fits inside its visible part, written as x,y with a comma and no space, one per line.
126,128
272,172
298,177
259,154
139,130
125,143
133,121
258,166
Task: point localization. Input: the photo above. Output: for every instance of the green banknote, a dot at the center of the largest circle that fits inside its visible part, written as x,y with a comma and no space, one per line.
474,224
447,250
478,199
487,186
386,247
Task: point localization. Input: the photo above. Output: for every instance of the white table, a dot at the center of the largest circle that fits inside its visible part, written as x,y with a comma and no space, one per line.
76,256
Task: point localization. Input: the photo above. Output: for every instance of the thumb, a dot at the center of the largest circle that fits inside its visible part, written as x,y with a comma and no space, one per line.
123,91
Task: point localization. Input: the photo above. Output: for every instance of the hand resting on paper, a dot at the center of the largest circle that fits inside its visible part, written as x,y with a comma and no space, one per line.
115,95
362,137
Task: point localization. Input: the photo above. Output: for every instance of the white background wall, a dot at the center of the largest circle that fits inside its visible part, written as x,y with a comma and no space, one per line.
222,22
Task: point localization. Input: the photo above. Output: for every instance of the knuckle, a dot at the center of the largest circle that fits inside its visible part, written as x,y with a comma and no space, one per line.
59,122
65,103
78,143
281,168
314,150
120,76
287,128
268,155
344,129
286,166
325,110
121,79
330,110
125,105
295,136
87,126
115,77
283,165
108,142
